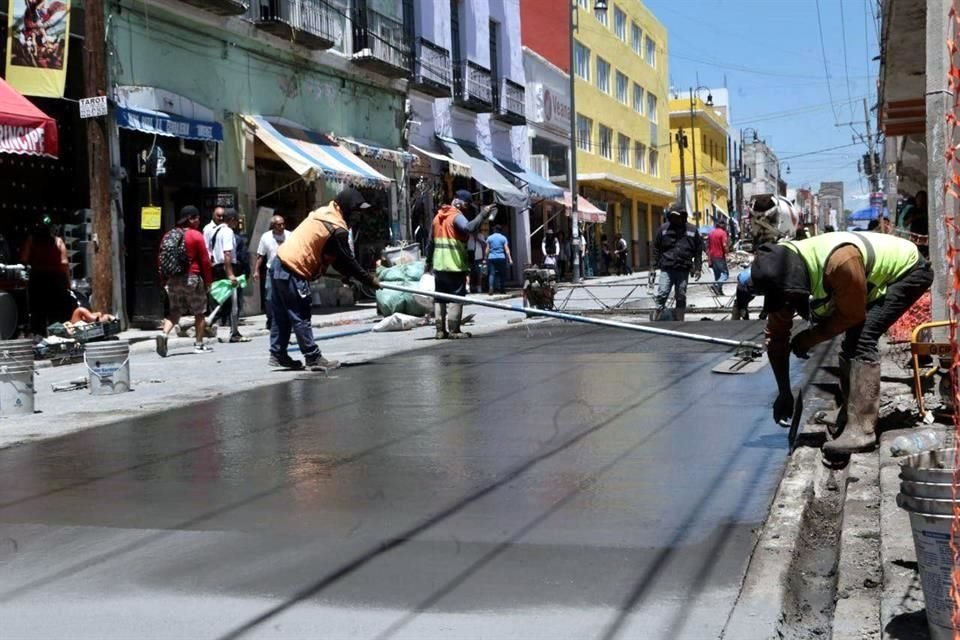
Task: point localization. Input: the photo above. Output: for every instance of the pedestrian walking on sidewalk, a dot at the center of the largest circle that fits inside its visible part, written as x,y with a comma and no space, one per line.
185,270
477,248
622,256
677,251
448,258
498,259
566,253
857,284
320,241
226,266
48,289
550,246
718,243
216,220
270,242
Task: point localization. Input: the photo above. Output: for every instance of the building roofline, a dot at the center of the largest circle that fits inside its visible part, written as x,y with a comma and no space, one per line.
543,60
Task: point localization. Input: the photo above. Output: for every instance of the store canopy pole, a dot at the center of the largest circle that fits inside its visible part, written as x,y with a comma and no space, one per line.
279,189
98,158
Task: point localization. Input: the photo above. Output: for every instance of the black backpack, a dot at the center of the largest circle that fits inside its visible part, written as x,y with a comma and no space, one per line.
173,254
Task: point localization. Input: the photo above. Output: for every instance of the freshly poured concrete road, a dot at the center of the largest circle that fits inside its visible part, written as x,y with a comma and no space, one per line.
553,482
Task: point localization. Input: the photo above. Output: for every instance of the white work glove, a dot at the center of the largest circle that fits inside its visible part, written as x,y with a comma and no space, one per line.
490,209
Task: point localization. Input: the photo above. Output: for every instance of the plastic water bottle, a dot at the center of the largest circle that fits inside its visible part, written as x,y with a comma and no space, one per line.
917,442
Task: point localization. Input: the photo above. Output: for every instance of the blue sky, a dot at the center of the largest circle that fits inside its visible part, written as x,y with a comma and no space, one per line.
768,54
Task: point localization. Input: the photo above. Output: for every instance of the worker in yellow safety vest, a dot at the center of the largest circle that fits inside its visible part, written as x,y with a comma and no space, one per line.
448,258
858,284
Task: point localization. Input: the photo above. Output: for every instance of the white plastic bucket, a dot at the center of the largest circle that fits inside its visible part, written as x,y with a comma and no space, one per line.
16,389
931,490
931,539
930,466
108,367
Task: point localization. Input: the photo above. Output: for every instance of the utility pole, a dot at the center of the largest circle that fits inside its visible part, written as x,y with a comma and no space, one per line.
681,143
874,175
693,137
98,156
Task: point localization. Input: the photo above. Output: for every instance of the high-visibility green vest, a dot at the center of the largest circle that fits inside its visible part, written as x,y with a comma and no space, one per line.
449,245
885,257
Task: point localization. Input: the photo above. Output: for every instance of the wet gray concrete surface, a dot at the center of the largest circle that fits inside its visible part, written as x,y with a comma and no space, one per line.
552,482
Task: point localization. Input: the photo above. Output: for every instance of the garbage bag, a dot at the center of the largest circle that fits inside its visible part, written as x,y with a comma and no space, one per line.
397,322
427,283
390,302
220,290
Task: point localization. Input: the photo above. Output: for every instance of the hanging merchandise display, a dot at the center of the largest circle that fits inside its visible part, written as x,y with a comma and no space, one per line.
37,43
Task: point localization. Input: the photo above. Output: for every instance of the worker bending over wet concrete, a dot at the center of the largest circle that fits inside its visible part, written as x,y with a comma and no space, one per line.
858,284
448,258
320,241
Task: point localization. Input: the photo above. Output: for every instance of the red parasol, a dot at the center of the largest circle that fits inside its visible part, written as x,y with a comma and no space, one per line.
24,129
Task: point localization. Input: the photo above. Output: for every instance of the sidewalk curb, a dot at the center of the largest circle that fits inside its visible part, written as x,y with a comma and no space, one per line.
761,603
143,341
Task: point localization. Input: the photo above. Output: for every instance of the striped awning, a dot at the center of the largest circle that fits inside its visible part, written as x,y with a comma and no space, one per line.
313,155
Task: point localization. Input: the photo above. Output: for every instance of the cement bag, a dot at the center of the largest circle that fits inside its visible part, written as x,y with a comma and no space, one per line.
397,322
427,283
390,302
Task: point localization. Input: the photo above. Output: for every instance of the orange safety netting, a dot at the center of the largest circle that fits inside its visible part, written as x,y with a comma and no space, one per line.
951,209
916,315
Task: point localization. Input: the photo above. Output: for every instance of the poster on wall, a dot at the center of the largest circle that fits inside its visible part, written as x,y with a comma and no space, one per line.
37,42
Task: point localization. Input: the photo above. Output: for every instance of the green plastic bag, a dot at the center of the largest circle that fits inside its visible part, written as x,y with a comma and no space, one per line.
221,289
390,302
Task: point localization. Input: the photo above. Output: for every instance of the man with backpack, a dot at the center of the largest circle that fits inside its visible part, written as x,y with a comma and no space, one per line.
185,270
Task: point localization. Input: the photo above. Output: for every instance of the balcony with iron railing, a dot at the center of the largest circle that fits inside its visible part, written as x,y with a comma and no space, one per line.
221,7
315,24
432,70
379,44
473,87
511,103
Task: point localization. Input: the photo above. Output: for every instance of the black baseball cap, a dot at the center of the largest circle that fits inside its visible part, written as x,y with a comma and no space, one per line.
350,200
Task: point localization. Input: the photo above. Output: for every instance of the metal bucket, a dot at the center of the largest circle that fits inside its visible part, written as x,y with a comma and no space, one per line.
927,495
933,490
930,466
108,367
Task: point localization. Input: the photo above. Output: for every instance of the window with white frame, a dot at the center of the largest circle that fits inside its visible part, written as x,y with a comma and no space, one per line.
584,133
652,107
654,162
606,142
638,99
623,150
639,156
623,88
582,61
651,52
584,3
603,75
620,23
636,38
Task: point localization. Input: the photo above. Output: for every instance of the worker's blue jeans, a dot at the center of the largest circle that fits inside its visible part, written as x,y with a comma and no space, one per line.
290,301
675,279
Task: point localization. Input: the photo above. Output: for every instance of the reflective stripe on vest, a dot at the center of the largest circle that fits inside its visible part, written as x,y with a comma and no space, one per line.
886,259
449,245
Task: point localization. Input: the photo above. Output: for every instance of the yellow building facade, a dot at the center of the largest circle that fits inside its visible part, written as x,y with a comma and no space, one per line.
705,129
620,62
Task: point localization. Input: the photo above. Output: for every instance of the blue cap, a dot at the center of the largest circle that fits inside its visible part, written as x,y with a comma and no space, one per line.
463,194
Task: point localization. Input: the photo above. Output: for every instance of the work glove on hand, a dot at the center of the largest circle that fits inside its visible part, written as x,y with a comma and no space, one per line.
490,209
783,407
802,343
375,282
697,275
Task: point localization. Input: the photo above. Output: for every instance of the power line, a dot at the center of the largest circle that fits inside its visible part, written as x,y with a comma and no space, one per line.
826,71
846,64
742,69
774,115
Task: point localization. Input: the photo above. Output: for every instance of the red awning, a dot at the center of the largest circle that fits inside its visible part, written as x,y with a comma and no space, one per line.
24,129
586,211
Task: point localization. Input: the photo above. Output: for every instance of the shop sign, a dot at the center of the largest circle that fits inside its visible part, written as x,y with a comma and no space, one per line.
163,124
38,41
150,218
22,139
212,198
93,107
552,108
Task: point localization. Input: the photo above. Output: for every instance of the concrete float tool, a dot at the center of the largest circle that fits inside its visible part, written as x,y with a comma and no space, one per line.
748,358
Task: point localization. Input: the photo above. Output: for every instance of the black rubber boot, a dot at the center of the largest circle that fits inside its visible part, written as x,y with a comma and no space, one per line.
863,409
